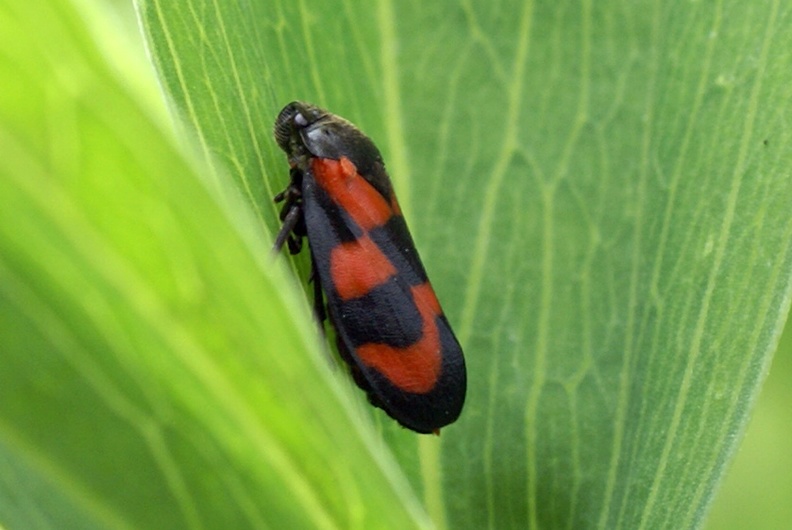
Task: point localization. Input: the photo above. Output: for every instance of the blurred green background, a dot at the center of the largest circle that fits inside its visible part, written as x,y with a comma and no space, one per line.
758,485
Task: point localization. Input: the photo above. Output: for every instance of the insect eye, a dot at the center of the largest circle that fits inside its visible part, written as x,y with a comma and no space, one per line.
300,120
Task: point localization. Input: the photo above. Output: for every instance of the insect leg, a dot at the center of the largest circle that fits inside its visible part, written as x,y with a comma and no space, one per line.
293,229
290,221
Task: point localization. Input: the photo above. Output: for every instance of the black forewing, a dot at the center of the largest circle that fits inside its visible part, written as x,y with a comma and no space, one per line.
386,315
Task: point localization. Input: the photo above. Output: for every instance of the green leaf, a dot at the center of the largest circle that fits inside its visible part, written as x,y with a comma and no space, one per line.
158,370
600,196
600,193
755,491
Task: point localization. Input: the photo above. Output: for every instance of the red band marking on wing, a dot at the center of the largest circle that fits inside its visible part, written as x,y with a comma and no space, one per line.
413,369
394,204
358,266
359,199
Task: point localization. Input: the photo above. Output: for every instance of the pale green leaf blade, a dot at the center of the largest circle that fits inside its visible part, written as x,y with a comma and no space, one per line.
158,367
600,193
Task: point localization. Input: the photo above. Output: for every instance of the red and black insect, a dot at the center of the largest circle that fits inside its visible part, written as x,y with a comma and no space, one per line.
389,325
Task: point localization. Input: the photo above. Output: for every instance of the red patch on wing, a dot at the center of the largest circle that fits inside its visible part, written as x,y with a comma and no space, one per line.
358,266
359,199
413,369
394,204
